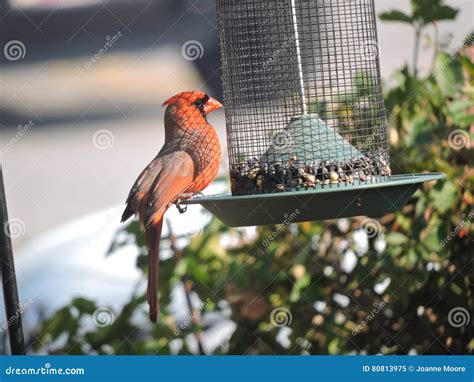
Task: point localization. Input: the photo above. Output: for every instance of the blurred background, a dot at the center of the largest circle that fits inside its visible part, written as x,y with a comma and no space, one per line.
82,83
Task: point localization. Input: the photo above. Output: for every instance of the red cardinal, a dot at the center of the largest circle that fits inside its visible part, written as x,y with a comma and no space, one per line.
186,164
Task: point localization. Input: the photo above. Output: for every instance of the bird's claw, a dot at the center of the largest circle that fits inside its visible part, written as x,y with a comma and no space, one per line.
182,208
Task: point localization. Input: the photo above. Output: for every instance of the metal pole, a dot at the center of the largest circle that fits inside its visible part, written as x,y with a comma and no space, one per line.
10,290
298,57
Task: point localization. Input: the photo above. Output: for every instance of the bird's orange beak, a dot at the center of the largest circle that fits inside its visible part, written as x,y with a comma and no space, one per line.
212,105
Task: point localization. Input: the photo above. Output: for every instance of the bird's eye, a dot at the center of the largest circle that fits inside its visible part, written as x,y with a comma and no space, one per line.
198,104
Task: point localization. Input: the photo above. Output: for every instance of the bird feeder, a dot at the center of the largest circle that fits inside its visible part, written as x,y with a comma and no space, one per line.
305,118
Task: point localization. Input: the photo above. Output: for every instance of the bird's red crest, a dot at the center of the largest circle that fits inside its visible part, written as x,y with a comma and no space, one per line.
189,96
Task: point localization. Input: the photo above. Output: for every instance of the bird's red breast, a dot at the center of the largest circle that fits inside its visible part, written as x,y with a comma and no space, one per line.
189,131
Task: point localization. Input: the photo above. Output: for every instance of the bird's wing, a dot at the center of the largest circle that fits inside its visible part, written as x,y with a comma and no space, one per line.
141,187
162,172
175,176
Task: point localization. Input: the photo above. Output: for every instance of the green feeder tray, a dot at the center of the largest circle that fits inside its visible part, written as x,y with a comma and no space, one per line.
324,202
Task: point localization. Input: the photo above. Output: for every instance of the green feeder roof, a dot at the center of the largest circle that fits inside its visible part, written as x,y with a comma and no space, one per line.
311,140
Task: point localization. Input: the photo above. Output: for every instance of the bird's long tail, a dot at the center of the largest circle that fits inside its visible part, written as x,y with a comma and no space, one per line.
153,236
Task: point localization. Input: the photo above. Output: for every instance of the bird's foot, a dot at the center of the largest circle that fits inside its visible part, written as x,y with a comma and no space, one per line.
182,208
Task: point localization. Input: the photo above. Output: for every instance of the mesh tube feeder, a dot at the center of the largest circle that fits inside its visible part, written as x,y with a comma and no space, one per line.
305,118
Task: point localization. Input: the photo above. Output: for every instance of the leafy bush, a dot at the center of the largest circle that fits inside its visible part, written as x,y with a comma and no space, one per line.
335,287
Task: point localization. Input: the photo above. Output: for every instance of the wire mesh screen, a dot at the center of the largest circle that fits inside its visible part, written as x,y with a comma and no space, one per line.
302,91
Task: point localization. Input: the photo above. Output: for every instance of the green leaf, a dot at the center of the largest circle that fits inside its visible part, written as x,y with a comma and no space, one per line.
181,268
464,120
419,132
441,13
467,64
397,16
436,233
84,305
396,238
365,83
448,74
428,11
459,106
302,283
320,108
333,346
412,256
444,196
459,111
